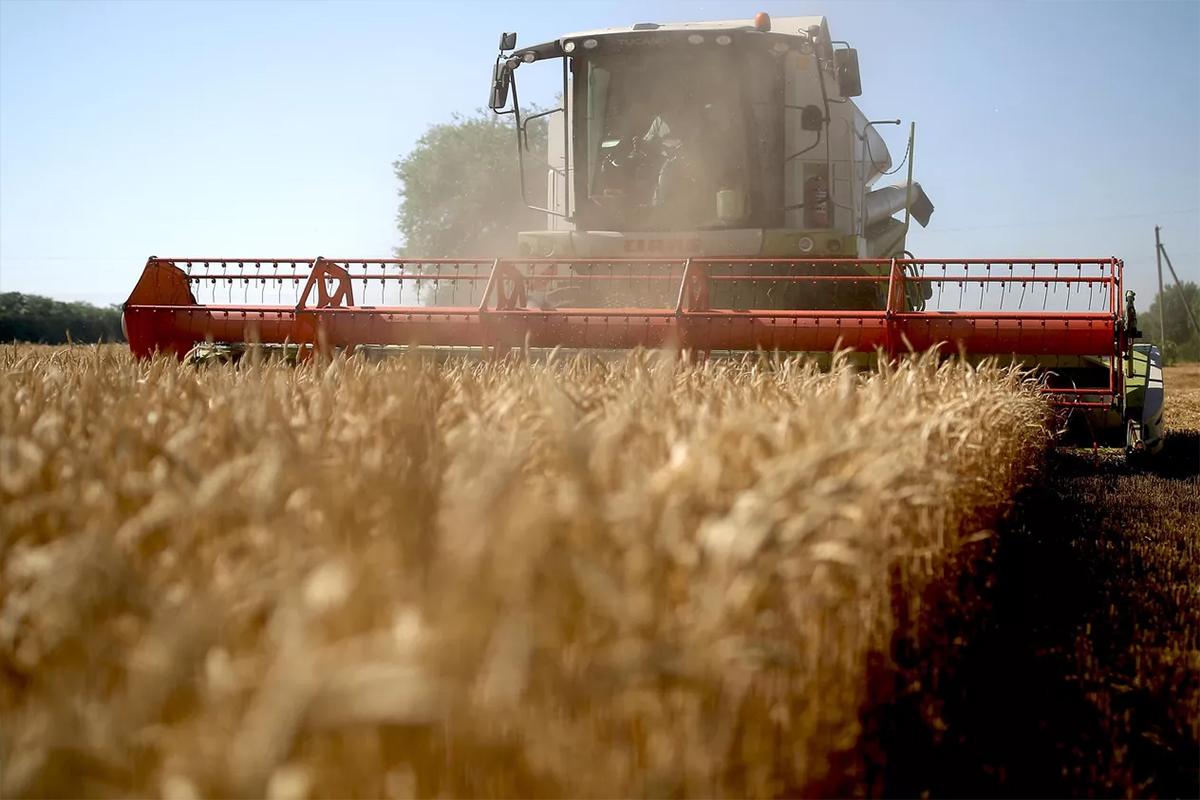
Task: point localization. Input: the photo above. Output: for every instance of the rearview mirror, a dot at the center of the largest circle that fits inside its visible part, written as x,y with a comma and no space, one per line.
508,41
849,81
501,81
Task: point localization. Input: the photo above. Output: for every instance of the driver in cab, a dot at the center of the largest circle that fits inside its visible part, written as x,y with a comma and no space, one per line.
673,167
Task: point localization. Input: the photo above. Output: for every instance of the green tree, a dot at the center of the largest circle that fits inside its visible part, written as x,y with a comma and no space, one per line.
33,318
1182,342
460,188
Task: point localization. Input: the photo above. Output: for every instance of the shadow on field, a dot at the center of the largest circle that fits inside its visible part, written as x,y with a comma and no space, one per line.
1180,457
1058,660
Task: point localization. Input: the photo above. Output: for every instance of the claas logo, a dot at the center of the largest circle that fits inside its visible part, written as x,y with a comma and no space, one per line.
663,246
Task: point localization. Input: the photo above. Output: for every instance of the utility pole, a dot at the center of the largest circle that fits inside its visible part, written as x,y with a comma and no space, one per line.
1162,300
1179,286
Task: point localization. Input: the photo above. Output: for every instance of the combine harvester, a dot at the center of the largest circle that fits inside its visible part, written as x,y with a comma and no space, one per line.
710,188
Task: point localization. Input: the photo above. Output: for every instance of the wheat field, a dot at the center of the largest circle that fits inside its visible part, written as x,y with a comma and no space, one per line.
400,578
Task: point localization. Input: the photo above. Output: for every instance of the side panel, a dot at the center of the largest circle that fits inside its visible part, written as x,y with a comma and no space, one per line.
1144,395
559,192
799,90
839,159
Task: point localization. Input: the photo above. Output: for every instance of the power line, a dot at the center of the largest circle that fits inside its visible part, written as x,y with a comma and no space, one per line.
1044,223
73,258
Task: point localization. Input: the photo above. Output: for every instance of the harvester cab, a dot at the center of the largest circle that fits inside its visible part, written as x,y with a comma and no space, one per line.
735,138
710,187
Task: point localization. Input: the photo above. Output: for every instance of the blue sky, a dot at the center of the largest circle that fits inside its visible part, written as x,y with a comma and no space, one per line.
269,129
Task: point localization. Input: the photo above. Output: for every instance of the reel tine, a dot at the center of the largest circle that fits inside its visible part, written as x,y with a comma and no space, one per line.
187,270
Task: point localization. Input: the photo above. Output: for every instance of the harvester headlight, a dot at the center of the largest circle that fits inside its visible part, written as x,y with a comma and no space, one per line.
695,38
724,39
529,57
834,245
590,44
569,47
805,244
780,47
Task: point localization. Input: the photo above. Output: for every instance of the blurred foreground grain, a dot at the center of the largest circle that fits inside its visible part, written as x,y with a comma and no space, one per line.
503,579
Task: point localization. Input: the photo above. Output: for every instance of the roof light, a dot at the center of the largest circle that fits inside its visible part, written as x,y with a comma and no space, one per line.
569,47
695,38
724,39
590,44
762,21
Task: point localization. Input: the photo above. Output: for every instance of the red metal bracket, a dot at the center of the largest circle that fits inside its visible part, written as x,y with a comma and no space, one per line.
311,328
165,287
693,289
322,271
511,293
895,305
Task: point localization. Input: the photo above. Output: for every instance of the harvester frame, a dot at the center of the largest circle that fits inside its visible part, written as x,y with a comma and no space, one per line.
163,313
709,189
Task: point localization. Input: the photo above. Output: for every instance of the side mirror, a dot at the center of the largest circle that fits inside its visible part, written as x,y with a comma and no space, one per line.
508,41
811,118
501,81
849,81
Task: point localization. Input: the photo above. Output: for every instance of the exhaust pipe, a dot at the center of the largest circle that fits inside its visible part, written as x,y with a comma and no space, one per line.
883,203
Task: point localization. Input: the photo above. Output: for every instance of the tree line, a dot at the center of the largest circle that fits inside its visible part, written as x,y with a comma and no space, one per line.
33,318
1166,323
